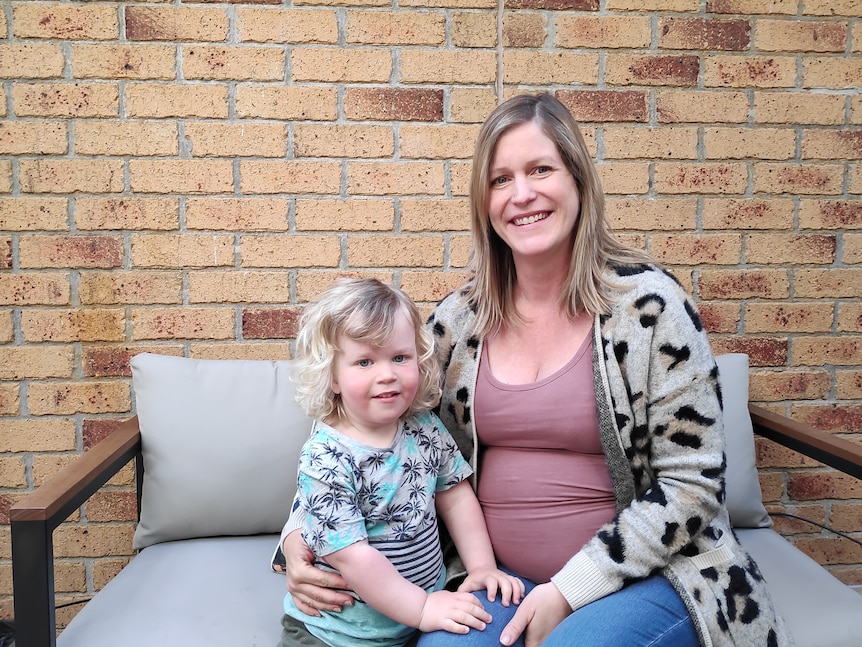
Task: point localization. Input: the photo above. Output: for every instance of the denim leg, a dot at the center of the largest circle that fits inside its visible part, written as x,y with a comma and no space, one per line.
648,613
490,637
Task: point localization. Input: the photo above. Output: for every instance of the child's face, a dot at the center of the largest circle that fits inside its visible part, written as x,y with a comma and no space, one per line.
377,383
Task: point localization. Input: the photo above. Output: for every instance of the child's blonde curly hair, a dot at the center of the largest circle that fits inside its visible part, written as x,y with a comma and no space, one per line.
363,310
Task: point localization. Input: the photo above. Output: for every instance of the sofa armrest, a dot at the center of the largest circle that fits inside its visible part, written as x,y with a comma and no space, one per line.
34,518
842,454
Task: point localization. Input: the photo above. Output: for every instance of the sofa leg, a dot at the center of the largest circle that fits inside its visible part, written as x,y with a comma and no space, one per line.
33,584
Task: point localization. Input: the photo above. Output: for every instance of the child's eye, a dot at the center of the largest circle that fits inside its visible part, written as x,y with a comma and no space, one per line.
364,363
399,358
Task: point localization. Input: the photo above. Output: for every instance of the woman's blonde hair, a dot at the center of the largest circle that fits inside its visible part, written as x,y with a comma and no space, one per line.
363,310
491,263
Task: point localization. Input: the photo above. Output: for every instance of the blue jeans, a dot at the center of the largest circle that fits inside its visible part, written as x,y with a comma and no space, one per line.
648,613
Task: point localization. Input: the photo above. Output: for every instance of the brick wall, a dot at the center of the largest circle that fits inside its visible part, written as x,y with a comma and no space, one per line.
180,176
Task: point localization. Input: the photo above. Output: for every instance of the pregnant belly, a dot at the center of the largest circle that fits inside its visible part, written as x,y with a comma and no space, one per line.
541,507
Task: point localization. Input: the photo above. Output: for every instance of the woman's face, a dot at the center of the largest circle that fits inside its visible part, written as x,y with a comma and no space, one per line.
533,201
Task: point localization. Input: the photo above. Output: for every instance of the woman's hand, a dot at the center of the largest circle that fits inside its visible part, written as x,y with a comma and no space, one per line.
538,614
311,587
494,580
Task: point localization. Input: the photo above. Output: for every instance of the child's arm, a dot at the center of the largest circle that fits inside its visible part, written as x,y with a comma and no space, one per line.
378,582
460,510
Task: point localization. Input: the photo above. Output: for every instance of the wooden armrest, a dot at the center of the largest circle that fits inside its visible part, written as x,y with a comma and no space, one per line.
77,482
34,518
827,448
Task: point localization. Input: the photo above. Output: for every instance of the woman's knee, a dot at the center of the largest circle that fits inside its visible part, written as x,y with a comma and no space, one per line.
489,637
647,613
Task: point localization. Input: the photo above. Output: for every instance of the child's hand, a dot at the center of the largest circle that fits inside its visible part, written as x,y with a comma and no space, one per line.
453,612
493,580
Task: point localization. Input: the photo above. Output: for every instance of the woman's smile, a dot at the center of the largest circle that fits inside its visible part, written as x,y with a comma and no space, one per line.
520,221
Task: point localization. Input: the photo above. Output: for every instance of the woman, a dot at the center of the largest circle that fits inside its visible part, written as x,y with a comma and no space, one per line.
580,384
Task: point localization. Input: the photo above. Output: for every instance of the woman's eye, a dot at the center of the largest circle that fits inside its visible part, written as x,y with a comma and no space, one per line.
499,181
541,170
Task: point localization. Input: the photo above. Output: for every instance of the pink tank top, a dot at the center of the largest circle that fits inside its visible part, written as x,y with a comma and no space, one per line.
543,482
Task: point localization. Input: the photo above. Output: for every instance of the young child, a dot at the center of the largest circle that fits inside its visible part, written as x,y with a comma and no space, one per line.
377,465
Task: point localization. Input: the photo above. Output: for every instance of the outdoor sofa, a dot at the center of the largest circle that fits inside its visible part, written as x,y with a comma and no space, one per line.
216,443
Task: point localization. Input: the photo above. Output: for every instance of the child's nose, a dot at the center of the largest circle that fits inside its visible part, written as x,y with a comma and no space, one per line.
386,374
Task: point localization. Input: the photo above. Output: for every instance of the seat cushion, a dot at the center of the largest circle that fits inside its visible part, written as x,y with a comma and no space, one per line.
216,592
220,441
819,610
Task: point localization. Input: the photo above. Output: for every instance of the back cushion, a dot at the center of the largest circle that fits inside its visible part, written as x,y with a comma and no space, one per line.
744,498
220,442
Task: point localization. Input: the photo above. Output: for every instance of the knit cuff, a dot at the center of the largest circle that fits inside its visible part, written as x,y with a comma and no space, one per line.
581,582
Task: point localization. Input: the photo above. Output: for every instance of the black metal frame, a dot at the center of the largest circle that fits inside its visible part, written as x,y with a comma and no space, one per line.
36,516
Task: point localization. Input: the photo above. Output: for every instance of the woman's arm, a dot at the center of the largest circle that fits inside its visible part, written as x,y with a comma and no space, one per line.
312,588
367,571
663,383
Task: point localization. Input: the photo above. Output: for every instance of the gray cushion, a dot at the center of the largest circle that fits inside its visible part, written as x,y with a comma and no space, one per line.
220,442
744,497
215,592
819,610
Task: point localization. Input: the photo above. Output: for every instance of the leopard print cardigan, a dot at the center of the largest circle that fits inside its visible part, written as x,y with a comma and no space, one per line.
659,409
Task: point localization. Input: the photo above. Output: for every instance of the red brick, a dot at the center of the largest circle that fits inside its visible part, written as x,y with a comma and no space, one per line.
554,5
719,317
64,21
701,177
830,214
394,104
782,317
801,35
790,248
846,516
766,386
735,71
602,31
697,249
523,30
834,418
805,486
172,323
774,177
832,144
850,317
176,24
95,430
35,288
789,7
270,323
828,283
112,506
704,33
43,251
113,361
747,213
605,105
761,351
651,69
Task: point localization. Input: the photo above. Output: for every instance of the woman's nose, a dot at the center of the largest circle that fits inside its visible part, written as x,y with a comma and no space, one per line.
522,190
